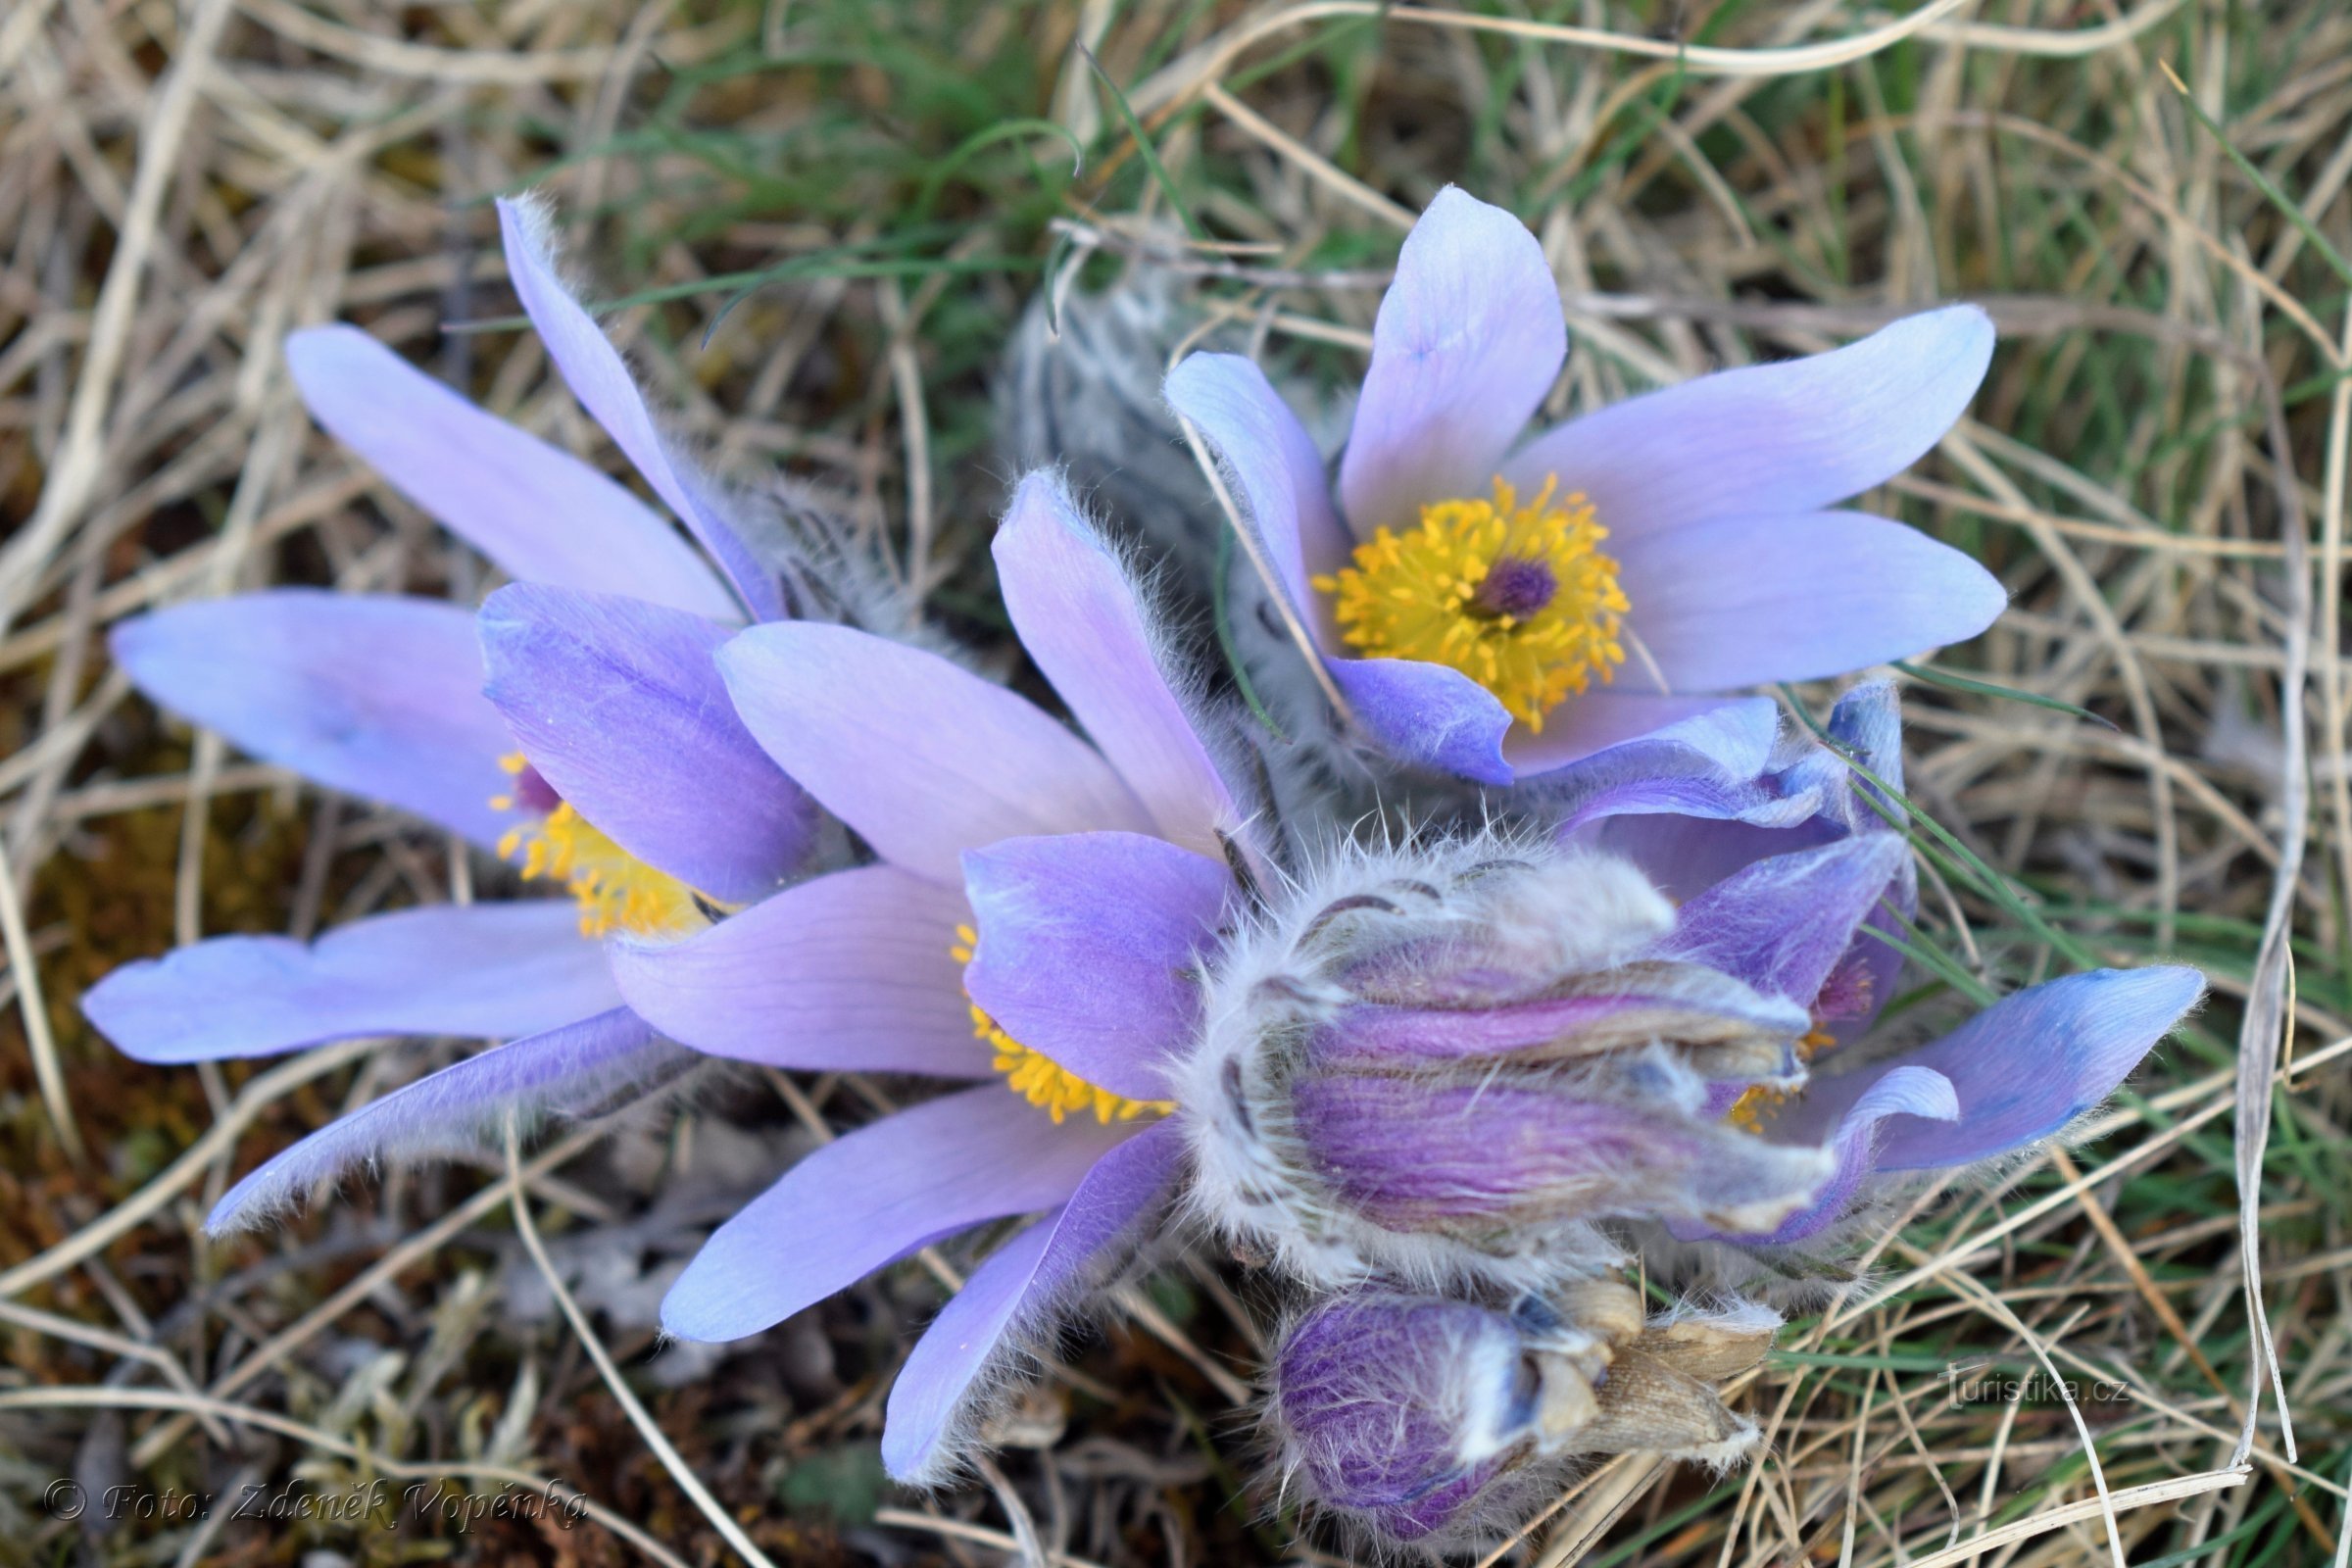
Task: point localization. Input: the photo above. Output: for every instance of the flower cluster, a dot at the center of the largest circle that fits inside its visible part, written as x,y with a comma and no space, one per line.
1598,982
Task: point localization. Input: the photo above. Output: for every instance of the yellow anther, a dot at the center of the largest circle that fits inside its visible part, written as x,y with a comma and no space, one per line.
613,887
1518,598
1037,1077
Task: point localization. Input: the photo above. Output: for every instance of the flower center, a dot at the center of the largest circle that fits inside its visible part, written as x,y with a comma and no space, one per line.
1037,1077
1518,598
612,886
1844,995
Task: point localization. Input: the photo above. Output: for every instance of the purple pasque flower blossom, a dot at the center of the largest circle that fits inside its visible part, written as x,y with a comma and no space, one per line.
1494,608
1476,1062
1033,913
1437,1424
602,707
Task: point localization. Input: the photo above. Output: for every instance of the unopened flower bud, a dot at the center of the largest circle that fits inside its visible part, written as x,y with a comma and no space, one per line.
1435,1423
1447,1063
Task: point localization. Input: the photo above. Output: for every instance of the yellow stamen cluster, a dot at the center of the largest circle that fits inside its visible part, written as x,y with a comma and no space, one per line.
1425,594
1747,1111
1039,1078
613,887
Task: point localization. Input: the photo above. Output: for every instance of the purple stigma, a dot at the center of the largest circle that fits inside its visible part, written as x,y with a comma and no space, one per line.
1516,586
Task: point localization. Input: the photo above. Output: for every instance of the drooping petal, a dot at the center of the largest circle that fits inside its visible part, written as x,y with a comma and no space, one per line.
1427,715
848,973
2024,1068
1468,340
1791,437
600,378
538,511
1697,1012
1275,471
1783,923
1590,725
618,704
875,1195
486,970
1742,599
582,1069
378,697
1087,944
1009,1300
1079,613
922,757
1410,1156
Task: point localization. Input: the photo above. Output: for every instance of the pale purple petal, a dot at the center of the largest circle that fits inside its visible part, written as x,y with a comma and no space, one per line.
620,706
1274,469
586,1068
1909,1091
478,970
922,757
1468,340
1010,1300
1783,923
1789,437
1088,944
2024,1068
378,697
1427,715
1746,597
875,1195
600,378
539,513
1586,726
848,973
1079,613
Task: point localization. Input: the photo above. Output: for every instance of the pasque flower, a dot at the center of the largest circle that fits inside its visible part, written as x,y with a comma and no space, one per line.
1431,1423
599,678
1492,609
1461,1064
1029,923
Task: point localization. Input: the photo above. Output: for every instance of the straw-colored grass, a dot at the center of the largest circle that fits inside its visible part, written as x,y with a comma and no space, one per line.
829,215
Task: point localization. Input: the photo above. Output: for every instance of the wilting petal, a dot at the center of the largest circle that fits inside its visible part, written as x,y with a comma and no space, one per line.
1276,473
1691,1007
922,757
1742,599
849,972
581,1069
2023,1068
541,513
1719,728
1468,340
1788,438
1087,946
875,1195
480,970
377,697
1910,1092
1427,715
1079,615
618,704
1411,1156
600,378
1783,923
1008,1299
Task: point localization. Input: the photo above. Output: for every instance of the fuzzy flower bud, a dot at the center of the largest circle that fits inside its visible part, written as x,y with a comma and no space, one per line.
1445,1065
1435,1423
